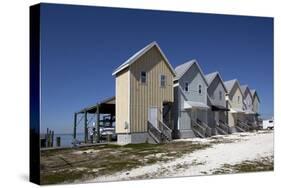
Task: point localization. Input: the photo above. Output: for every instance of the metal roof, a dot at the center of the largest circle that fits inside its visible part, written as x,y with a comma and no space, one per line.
183,68
230,84
255,93
194,104
243,88
211,77
138,54
236,110
107,105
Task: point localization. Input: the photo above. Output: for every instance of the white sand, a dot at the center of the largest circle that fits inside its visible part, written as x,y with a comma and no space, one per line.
248,146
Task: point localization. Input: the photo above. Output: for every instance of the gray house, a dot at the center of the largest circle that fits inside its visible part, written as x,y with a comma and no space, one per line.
217,114
190,101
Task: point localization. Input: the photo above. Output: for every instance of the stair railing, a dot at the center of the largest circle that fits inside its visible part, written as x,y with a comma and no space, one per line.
166,131
224,127
154,132
198,127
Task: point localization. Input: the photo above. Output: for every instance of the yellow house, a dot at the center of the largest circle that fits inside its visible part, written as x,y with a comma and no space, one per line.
144,96
235,104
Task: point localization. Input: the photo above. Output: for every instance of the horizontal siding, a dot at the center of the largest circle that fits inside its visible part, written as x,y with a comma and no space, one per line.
143,96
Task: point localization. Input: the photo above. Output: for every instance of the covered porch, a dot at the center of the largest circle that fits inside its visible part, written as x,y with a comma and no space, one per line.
100,114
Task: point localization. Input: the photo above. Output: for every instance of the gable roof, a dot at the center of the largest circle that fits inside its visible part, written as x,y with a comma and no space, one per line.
183,68
254,93
230,84
244,89
211,77
138,54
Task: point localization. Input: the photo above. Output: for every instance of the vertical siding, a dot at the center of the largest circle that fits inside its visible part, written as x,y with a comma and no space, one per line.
143,96
122,101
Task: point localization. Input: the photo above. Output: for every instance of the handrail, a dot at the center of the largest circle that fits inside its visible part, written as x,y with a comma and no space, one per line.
223,126
208,129
198,127
165,130
242,125
154,132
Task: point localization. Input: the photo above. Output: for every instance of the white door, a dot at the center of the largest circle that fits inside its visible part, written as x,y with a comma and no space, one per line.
152,116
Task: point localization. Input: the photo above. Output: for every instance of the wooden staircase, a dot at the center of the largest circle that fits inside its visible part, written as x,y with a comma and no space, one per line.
241,126
200,129
163,134
223,128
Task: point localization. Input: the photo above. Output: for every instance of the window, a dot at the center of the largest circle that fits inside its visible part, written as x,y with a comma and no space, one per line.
162,80
186,86
199,89
238,99
143,77
220,95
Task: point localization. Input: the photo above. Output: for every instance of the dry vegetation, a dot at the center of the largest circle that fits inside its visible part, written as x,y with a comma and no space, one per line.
68,165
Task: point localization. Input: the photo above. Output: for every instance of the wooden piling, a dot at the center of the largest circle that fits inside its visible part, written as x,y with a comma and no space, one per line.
98,123
85,127
58,141
52,138
75,126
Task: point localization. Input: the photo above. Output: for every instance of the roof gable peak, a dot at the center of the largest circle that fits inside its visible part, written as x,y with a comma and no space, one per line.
141,52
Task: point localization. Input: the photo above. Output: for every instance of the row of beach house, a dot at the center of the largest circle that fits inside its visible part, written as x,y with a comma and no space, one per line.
156,103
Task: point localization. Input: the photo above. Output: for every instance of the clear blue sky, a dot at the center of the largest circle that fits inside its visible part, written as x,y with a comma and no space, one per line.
81,46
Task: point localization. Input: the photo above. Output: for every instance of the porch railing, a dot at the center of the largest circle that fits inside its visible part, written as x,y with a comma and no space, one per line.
242,125
166,131
224,126
154,132
198,129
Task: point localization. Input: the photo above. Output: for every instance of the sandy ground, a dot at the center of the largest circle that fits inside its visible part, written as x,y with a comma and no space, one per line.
236,148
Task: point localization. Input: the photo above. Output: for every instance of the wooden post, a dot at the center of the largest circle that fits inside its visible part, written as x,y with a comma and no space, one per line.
75,126
111,120
92,138
52,138
48,138
58,141
85,127
98,123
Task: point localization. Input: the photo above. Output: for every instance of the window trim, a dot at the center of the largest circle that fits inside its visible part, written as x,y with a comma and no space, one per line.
220,95
200,89
165,80
186,87
142,77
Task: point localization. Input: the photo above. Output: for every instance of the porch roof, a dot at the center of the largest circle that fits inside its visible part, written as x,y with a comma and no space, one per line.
219,108
193,104
237,110
106,106
249,112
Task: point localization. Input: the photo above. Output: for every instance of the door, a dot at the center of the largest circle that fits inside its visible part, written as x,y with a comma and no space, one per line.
152,116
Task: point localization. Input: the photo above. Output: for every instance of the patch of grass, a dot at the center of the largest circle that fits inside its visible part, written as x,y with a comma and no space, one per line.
263,164
68,165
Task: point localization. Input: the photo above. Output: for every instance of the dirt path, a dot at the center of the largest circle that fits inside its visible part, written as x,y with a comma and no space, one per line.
246,146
